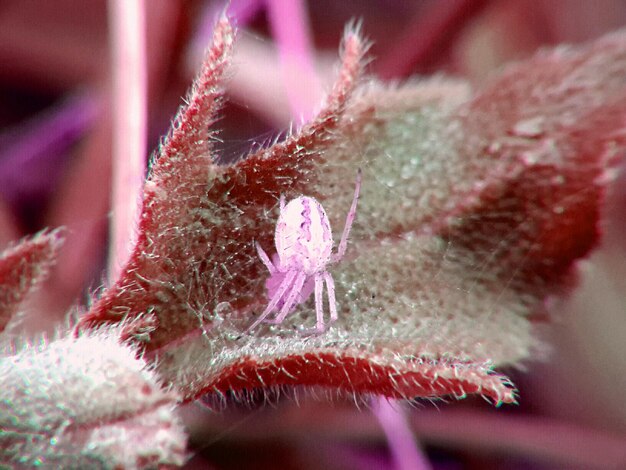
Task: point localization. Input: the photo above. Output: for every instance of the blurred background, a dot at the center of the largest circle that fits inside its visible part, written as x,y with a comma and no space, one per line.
65,122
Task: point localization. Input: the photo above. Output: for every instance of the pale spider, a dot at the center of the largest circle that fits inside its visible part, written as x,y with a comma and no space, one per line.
304,243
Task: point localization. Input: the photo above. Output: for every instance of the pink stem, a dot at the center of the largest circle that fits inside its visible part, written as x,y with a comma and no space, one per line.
292,33
129,126
402,443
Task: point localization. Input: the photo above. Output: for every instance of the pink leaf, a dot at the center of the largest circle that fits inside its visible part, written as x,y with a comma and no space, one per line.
22,267
473,210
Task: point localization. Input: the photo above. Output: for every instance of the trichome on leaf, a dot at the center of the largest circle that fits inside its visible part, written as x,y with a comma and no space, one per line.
475,207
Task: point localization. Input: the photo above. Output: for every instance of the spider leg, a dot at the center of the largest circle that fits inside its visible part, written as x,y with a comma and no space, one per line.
275,299
319,307
332,301
282,202
266,260
319,302
291,299
343,244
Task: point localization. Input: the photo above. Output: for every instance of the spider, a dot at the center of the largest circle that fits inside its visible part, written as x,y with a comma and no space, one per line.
304,243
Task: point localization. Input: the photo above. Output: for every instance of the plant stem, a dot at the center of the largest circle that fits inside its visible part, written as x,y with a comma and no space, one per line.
129,126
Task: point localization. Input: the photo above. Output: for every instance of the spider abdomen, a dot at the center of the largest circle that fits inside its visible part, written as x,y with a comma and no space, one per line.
303,236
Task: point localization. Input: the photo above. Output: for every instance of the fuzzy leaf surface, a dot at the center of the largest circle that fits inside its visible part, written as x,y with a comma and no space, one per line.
85,402
474,207
22,267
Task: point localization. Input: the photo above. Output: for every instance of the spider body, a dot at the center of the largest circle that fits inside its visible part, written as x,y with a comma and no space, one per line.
304,240
304,243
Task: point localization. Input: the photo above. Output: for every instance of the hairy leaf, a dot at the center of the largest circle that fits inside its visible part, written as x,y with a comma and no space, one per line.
474,208
22,267
85,402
